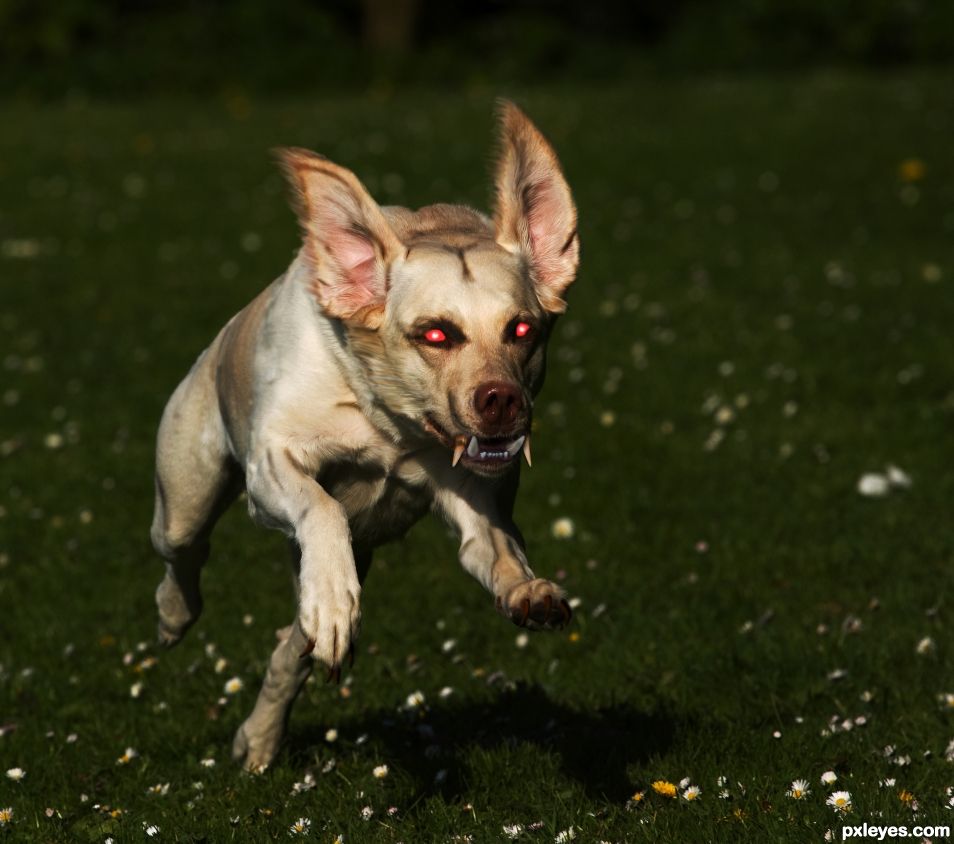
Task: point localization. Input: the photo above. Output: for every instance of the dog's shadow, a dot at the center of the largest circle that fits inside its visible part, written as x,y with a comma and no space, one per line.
594,748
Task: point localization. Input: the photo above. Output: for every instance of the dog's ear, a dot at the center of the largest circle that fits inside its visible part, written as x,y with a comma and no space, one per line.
348,243
534,211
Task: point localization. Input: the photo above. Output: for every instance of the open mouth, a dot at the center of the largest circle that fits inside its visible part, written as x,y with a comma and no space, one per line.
488,452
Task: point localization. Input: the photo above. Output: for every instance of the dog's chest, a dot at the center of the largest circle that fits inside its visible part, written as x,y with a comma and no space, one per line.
382,499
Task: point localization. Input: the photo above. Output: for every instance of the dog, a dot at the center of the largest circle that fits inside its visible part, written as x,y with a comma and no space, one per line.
391,370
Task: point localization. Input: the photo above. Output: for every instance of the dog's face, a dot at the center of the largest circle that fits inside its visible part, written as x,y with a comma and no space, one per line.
448,311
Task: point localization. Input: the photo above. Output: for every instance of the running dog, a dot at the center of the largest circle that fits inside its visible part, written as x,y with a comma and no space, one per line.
391,370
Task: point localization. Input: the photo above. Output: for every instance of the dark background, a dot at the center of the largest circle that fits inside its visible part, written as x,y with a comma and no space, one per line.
123,48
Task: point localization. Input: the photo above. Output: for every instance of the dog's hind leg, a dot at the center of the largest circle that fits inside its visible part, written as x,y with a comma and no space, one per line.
258,739
196,481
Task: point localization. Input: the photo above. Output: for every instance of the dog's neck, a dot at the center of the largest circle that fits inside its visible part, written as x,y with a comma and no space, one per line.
394,427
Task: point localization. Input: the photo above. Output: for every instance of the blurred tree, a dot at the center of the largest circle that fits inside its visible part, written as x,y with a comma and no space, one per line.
389,25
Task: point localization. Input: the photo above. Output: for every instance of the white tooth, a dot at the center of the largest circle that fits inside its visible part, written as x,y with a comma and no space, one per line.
526,450
472,447
458,451
515,446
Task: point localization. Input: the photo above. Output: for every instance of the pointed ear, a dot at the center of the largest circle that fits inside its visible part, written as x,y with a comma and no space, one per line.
348,243
535,213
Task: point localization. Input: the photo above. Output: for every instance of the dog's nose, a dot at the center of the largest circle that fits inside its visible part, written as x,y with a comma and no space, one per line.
498,403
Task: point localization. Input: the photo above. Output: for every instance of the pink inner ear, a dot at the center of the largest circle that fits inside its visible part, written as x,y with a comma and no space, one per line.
357,262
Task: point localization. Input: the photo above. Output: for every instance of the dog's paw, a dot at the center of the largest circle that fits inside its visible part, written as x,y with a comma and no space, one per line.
255,750
536,604
176,613
330,625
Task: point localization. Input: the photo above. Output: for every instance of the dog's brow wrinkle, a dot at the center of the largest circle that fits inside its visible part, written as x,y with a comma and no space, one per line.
467,275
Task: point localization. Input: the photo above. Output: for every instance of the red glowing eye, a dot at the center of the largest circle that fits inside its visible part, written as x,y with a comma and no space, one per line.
435,335
522,329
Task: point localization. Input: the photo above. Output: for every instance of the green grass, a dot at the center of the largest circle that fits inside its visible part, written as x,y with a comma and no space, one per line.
746,243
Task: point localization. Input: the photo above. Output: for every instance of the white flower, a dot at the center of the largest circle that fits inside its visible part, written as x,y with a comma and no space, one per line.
220,665
135,690
522,640
234,686
692,793
829,777
414,700
890,782
16,774
563,528
445,693
840,801
158,788
150,829
898,477
449,645
873,485
684,782
799,790
127,757
925,646
564,836
380,772
207,763
513,830
331,735
300,827
366,813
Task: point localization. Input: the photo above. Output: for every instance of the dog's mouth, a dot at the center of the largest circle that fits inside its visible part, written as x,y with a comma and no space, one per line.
482,453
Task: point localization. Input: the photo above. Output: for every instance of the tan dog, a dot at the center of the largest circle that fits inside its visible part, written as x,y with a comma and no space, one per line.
391,370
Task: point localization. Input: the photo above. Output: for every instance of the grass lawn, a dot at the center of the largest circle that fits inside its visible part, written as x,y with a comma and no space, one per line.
763,315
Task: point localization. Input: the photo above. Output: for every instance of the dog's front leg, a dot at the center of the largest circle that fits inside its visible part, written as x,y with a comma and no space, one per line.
492,550
283,493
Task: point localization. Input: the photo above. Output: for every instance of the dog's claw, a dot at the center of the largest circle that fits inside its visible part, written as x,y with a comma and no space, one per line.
524,611
308,649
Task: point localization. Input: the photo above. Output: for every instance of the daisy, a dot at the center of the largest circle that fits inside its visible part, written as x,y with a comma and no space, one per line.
300,827
380,772
366,813
151,830
234,686
414,700
159,788
512,830
799,790
563,528
6,816
926,646
829,777
16,774
207,763
331,735
692,793
127,757
667,789
840,801
564,836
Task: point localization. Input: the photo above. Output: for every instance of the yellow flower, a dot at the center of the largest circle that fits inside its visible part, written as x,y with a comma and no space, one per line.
638,796
911,170
667,789
905,796
6,816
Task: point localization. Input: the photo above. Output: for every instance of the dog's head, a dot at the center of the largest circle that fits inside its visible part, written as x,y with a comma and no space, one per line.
448,311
